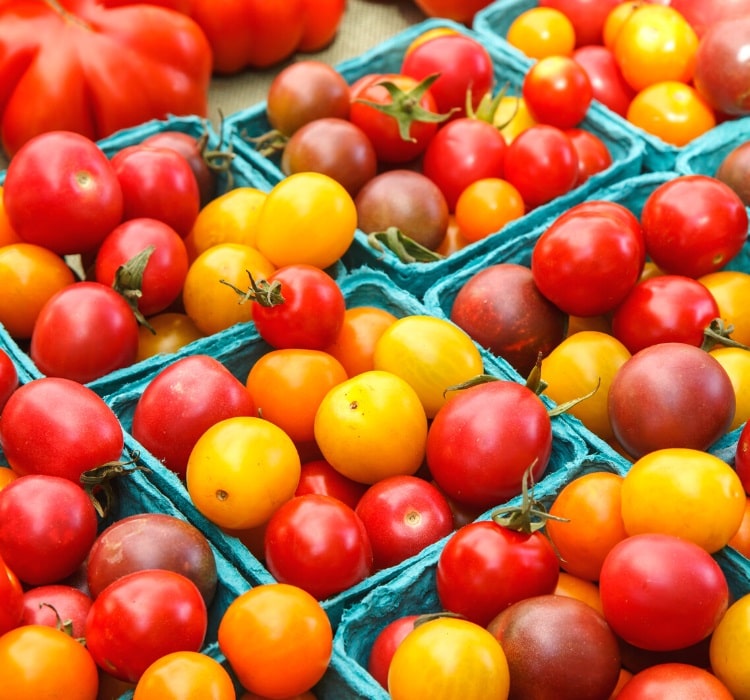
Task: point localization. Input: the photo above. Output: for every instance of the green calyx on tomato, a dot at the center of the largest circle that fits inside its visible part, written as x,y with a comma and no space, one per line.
405,108
719,332
128,282
406,249
97,482
263,292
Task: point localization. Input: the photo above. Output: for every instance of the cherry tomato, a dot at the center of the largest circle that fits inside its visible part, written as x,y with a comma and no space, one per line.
242,487
317,476
385,645
12,608
464,66
318,543
57,604
8,378
448,655
38,661
729,288
30,275
485,567
557,91
172,330
371,426
593,154
676,679
512,116
607,84
163,274
62,193
7,233
157,183
402,515
181,402
48,525
686,493
742,458
486,206
143,616
37,440
84,331
587,17
662,592
729,643
463,151
667,308
181,674
542,31
482,462
541,163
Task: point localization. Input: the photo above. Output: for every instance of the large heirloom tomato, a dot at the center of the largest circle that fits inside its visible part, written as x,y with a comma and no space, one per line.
78,65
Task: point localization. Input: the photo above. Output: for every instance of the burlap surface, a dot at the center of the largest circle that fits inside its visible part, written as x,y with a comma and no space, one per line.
365,24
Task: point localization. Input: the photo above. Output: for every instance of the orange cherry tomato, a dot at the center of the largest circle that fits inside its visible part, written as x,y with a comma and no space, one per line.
172,330
486,206
542,31
185,675
741,539
580,588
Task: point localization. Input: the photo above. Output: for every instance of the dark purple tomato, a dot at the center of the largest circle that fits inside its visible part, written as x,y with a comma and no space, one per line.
734,170
670,395
502,309
557,647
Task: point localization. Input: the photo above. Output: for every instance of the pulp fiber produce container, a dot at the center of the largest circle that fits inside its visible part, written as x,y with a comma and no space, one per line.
626,150
239,347
705,154
631,193
492,24
413,592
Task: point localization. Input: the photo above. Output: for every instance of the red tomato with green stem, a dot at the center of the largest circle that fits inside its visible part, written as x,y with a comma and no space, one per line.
57,604
485,438
666,308
297,306
37,440
146,261
488,565
47,527
318,543
402,515
557,91
83,332
158,183
464,66
542,164
62,193
463,151
398,114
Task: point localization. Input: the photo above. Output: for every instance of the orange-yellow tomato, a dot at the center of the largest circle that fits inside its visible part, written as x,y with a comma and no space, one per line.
672,111
731,290
729,648
6,476
453,240
29,276
287,386
512,116
171,331
736,362
431,354
354,346
741,539
615,20
212,305
185,675
486,206
542,31
591,506
684,492
580,589
655,43
230,218
372,426
306,218
579,364
241,470
277,639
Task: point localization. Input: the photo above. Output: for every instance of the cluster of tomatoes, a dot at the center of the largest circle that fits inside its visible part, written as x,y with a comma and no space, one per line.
670,68
430,142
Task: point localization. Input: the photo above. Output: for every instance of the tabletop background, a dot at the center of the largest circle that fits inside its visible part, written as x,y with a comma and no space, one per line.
365,24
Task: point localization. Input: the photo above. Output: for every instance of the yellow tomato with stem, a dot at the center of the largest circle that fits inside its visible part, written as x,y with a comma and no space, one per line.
372,426
306,218
684,492
431,354
731,290
584,362
241,470
512,116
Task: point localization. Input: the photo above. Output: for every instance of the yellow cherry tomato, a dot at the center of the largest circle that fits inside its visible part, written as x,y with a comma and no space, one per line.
306,218
241,470
729,648
171,331
512,116
431,354
372,426
672,111
736,362
214,306
230,218
731,289
655,44
576,366
684,492
450,658
542,31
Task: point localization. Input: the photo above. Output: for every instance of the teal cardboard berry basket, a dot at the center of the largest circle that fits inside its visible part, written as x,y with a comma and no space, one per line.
626,149
240,347
704,155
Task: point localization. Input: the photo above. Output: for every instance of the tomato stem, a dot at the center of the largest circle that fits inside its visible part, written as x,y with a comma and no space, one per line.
717,333
262,292
128,283
406,249
101,479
